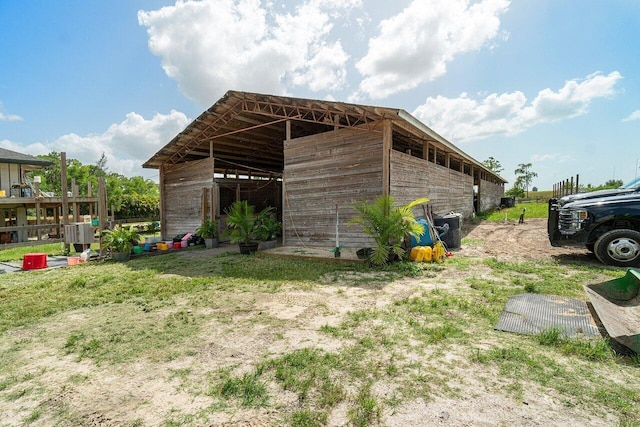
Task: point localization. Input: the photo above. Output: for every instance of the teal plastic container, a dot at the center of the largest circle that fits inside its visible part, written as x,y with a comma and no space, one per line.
425,239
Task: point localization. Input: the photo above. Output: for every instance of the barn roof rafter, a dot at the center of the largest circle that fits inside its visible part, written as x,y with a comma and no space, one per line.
249,128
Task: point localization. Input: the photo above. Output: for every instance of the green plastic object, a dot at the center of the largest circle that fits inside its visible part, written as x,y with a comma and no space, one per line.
617,304
622,289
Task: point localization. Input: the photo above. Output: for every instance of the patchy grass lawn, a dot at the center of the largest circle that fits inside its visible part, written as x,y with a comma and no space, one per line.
191,339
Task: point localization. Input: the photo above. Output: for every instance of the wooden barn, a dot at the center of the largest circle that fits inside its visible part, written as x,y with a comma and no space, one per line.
306,157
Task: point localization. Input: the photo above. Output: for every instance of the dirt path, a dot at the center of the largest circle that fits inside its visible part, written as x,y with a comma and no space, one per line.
515,241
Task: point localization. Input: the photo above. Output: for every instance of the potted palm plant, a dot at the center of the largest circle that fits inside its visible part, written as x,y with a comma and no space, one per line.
119,241
243,224
388,225
269,228
209,232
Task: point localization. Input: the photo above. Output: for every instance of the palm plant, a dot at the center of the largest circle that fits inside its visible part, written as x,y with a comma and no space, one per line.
269,227
388,225
120,239
208,229
242,222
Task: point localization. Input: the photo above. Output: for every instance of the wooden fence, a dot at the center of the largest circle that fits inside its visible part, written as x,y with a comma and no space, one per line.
566,187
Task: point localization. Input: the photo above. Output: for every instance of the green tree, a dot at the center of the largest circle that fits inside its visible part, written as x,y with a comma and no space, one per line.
133,197
515,192
493,165
524,176
51,174
613,183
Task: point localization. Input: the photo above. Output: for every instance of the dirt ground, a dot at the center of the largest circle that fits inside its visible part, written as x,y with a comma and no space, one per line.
149,392
527,241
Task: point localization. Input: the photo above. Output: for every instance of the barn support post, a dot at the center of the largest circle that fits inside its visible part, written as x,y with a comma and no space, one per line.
214,196
214,184
203,204
478,206
287,138
387,142
163,226
238,194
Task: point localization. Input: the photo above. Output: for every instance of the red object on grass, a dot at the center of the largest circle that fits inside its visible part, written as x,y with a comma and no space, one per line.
34,261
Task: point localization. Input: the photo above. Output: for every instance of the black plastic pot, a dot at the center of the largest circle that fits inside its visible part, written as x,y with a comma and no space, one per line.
248,248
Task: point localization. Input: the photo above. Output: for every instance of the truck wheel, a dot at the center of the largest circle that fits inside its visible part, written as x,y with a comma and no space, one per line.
619,247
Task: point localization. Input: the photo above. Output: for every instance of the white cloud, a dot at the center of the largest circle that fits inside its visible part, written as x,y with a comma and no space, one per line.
212,46
8,117
126,145
325,70
633,116
465,119
415,46
544,157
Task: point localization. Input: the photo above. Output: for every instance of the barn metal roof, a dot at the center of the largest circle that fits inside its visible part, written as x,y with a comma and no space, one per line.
247,130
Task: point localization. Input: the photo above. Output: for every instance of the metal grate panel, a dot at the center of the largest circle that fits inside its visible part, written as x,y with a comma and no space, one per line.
530,314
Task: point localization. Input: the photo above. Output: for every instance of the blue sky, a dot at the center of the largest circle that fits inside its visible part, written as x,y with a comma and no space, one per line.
547,82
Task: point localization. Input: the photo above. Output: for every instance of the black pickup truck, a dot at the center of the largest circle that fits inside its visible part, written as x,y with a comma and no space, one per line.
606,222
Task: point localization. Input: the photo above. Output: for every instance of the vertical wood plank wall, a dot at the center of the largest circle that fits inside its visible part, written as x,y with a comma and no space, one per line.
447,190
490,195
182,196
322,170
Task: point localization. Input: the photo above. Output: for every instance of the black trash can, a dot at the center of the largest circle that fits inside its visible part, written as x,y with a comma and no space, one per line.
508,202
453,238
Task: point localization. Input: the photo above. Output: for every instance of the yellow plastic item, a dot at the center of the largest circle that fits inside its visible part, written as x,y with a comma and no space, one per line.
427,254
421,254
438,253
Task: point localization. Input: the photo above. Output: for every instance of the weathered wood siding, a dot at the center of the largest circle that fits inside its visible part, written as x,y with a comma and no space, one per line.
182,196
490,195
447,190
322,170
